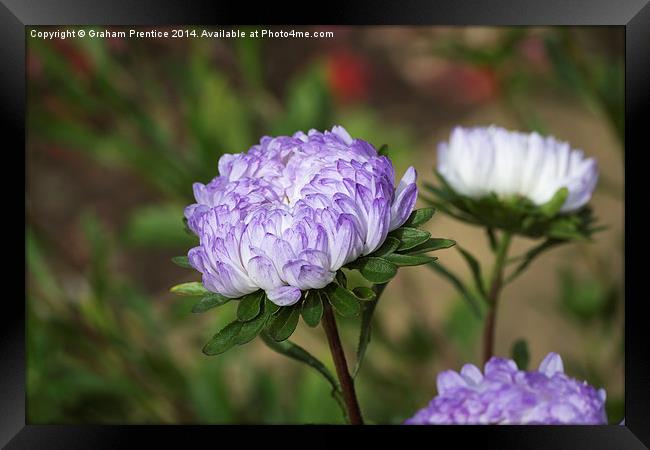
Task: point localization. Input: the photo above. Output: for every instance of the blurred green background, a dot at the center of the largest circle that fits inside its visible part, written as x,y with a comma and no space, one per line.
118,129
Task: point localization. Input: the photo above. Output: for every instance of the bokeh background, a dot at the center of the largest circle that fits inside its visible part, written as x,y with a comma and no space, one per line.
118,129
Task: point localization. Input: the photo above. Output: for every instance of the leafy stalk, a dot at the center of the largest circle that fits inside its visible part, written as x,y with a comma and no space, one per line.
366,326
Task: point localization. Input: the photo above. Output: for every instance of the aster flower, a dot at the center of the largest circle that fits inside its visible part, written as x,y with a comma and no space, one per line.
289,213
278,225
511,183
480,161
505,395
520,182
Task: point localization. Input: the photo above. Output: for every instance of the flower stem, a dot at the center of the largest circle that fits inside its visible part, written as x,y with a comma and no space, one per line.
347,384
496,283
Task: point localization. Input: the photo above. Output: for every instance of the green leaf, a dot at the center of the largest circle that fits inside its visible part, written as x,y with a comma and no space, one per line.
383,150
365,332
409,260
293,351
250,306
475,267
210,301
431,245
253,327
341,278
376,270
553,206
365,294
419,217
520,354
224,340
271,307
182,261
312,309
531,254
410,237
284,323
344,301
191,289
388,247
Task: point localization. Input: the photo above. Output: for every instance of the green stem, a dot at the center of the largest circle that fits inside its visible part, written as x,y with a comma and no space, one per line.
496,283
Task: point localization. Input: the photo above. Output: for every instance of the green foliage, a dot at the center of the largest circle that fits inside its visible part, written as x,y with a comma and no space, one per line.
419,217
520,354
375,270
344,301
410,237
284,323
209,301
250,306
182,261
516,215
312,309
224,340
190,289
587,299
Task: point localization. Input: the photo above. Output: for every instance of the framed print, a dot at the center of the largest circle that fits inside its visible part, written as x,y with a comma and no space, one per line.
421,216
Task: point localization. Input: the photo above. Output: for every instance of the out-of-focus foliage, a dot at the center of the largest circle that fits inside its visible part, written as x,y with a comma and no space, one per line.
118,130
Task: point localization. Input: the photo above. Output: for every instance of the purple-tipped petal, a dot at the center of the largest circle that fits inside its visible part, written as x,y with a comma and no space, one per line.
405,197
449,380
284,295
551,365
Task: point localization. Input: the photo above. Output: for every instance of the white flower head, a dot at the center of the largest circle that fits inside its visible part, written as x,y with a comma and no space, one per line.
483,160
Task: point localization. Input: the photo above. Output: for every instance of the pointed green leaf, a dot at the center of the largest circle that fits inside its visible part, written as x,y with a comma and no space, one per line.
553,206
224,340
343,301
294,351
475,267
419,217
250,306
341,278
366,328
365,294
376,270
191,289
383,150
410,237
284,323
531,254
388,247
431,245
212,300
182,261
253,327
409,260
312,309
520,354
271,307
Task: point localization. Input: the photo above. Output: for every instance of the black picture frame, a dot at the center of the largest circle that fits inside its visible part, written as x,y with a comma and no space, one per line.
633,15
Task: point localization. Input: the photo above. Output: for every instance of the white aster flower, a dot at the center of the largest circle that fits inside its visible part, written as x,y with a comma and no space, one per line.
483,160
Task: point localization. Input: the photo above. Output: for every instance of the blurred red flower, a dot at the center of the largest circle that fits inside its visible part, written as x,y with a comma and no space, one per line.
348,76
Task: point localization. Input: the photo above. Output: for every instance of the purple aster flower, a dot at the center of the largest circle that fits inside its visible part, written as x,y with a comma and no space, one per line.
506,395
290,212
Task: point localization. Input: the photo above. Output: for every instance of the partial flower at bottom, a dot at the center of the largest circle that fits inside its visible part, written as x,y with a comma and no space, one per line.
505,395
